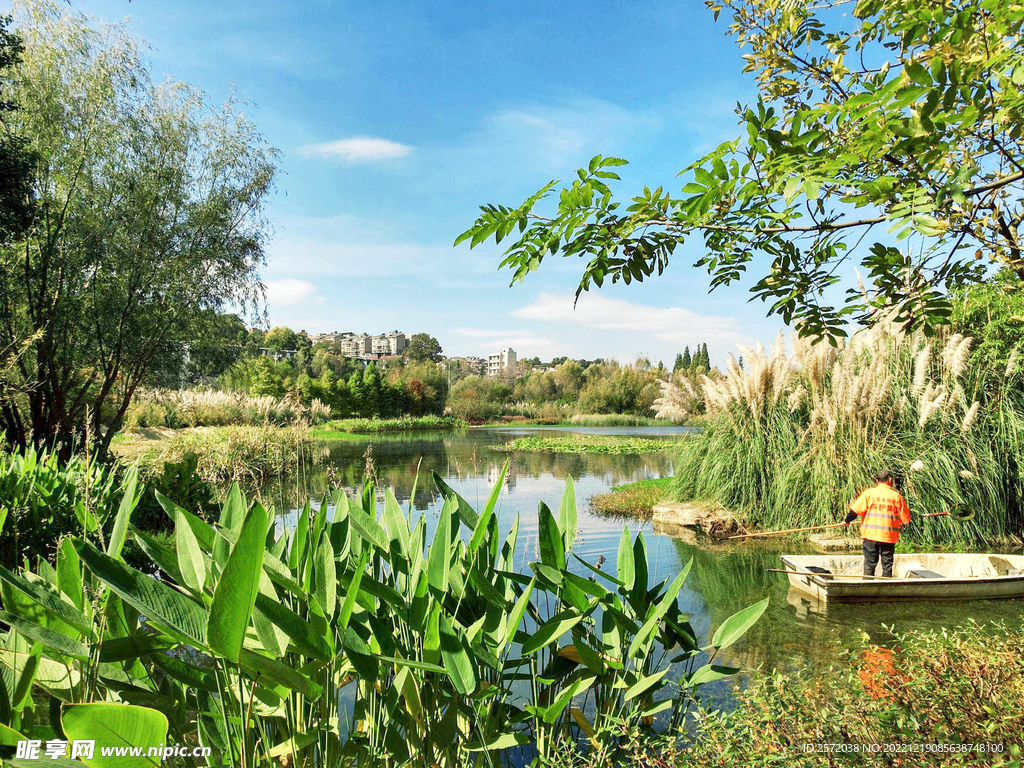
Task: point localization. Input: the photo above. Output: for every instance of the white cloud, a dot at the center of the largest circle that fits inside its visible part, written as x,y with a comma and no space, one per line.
677,325
358,149
289,291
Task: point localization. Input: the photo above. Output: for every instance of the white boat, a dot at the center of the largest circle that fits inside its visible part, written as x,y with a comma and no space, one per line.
934,576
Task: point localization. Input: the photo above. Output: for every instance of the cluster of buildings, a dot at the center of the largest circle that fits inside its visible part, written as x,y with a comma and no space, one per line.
364,346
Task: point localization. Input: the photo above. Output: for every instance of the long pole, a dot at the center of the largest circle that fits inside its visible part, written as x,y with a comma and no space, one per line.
814,528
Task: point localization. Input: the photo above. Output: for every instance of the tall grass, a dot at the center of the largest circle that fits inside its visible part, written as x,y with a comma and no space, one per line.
177,408
790,439
246,454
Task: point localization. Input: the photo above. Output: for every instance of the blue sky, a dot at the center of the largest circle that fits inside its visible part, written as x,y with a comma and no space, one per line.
397,119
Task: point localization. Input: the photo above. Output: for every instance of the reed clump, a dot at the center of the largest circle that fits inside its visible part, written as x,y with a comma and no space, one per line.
246,454
177,408
791,438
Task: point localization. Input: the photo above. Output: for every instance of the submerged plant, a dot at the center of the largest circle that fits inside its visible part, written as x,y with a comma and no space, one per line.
354,638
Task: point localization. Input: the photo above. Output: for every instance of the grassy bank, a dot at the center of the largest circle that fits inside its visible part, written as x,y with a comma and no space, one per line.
244,453
790,440
633,499
606,444
402,424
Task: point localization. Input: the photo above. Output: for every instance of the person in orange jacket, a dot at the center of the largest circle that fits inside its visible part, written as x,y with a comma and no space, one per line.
882,510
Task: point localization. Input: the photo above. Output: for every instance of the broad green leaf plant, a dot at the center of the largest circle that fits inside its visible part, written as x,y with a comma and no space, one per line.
354,638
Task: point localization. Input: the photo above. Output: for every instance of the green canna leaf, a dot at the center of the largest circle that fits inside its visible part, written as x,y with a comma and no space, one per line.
734,627
190,556
116,725
549,539
567,513
166,607
124,512
235,594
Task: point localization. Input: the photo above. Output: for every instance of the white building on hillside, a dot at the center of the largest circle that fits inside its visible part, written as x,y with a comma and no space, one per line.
503,362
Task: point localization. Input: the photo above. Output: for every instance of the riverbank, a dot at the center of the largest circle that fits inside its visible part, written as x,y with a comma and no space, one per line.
400,424
589,444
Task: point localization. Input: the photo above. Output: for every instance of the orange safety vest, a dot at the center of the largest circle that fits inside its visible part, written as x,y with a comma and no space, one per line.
882,511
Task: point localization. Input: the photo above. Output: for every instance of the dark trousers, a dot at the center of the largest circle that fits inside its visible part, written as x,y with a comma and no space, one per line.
873,550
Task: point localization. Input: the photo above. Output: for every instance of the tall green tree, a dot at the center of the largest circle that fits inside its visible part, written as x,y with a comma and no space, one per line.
149,217
679,361
423,347
886,133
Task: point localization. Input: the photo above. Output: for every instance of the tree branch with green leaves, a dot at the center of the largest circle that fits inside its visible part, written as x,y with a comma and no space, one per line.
889,138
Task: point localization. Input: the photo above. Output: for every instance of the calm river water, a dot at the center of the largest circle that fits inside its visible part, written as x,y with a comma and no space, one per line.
791,634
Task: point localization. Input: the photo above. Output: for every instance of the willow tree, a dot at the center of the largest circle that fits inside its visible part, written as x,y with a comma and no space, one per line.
148,220
887,133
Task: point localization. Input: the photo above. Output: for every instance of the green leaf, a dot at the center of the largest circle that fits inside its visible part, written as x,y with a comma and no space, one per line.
280,673
48,599
299,631
232,513
116,725
325,579
708,674
166,607
567,513
53,641
551,630
236,591
501,741
440,550
733,628
627,572
124,512
397,525
643,685
516,615
488,512
190,556
549,539
457,662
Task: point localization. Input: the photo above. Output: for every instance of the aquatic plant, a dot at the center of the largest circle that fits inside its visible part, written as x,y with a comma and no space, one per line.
790,439
601,444
43,497
353,639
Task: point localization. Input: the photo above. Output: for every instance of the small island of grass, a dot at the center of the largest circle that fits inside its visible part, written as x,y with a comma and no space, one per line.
602,444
